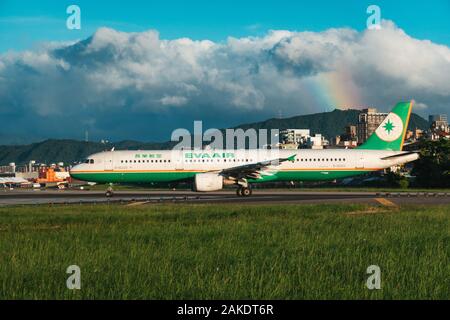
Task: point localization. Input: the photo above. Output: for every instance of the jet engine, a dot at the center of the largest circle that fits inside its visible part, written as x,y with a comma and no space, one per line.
208,182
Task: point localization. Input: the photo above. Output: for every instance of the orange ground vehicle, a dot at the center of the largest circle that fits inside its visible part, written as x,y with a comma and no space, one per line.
48,177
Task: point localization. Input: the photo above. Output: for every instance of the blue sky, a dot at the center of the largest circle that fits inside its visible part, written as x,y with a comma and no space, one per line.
25,23
126,82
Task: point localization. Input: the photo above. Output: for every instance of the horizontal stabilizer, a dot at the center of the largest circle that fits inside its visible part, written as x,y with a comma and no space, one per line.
401,155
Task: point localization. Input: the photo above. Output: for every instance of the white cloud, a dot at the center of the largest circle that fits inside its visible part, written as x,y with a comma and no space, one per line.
292,72
173,101
420,106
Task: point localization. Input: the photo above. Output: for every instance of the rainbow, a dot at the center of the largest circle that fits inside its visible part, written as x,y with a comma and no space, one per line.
334,90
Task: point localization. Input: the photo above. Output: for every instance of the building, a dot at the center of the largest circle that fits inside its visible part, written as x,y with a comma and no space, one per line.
414,135
294,136
351,132
368,121
439,125
349,139
317,142
301,138
11,168
437,117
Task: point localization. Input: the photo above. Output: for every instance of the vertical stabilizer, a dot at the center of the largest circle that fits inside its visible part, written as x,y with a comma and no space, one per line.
390,135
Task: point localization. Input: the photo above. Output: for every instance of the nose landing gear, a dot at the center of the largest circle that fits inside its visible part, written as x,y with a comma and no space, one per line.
109,192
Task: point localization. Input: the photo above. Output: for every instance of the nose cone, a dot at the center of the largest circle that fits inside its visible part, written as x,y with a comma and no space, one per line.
75,171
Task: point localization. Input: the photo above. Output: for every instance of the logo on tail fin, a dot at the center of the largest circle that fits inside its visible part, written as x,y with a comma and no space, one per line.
391,128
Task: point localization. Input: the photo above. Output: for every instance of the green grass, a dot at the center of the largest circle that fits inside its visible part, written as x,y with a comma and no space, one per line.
224,252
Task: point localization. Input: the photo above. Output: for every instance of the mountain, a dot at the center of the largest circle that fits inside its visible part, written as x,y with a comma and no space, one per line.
329,124
67,151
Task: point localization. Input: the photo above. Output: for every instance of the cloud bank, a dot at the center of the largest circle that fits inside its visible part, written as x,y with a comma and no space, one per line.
139,86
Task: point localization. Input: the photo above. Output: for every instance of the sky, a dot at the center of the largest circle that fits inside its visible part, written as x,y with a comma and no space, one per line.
139,69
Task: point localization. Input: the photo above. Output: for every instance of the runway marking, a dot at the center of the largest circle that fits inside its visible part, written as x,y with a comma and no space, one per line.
135,204
386,202
370,210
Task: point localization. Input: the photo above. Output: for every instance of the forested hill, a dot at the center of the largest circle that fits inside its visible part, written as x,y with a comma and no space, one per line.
329,124
67,151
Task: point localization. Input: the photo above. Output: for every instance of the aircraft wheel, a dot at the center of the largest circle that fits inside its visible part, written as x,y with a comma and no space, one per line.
246,192
109,193
239,192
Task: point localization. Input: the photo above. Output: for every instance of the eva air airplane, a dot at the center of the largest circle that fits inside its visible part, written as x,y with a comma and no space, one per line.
210,170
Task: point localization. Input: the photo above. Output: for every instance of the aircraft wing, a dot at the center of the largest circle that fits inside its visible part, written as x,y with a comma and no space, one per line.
253,170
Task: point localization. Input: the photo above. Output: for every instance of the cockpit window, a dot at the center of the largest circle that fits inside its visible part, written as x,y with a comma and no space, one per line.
89,161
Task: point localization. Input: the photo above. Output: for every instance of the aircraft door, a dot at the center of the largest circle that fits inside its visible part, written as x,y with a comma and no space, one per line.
178,159
109,161
360,161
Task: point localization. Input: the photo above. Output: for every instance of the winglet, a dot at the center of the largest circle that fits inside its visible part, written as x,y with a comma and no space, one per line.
292,158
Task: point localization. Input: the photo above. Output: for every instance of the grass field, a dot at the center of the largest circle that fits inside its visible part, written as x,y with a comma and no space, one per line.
218,252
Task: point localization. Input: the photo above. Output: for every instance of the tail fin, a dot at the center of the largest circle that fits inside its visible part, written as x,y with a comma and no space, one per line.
390,135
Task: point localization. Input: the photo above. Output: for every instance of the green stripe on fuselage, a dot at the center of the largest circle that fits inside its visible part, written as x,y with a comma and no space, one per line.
144,177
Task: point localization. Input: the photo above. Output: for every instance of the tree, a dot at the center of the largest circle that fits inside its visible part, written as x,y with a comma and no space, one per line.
433,167
396,180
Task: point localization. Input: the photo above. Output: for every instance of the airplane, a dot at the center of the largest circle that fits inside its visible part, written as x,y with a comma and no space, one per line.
211,170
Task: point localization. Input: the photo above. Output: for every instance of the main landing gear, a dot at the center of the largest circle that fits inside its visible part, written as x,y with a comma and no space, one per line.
243,191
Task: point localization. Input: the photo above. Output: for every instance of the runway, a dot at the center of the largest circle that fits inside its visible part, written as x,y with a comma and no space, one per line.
39,197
